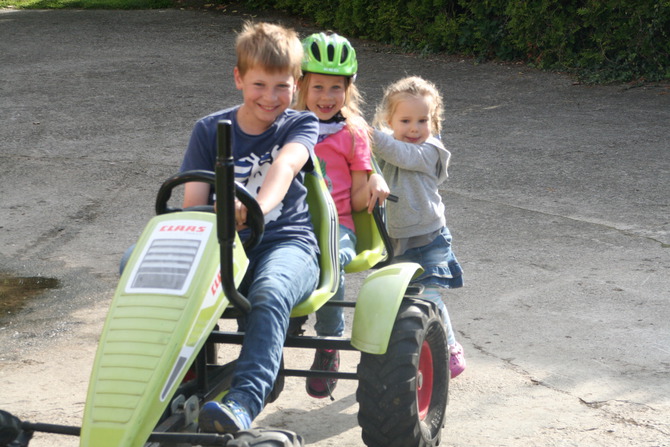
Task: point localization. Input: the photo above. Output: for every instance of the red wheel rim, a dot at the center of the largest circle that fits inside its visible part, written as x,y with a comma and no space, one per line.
424,380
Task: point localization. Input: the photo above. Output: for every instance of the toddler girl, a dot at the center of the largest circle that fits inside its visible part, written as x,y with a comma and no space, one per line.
414,162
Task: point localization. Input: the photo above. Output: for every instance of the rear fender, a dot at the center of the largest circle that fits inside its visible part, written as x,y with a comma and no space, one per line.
167,302
377,306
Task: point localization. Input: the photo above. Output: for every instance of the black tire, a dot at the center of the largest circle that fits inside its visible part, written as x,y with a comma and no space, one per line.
10,428
402,395
266,437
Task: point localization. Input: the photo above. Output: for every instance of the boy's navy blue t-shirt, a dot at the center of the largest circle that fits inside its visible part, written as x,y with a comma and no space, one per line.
253,156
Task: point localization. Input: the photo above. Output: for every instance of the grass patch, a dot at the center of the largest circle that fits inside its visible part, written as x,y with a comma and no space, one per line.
87,4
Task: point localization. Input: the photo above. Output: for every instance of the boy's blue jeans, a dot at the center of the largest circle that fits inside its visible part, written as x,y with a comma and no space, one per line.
277,279
330,319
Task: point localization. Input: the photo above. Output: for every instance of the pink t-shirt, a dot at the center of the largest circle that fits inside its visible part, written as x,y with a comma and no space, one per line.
337,161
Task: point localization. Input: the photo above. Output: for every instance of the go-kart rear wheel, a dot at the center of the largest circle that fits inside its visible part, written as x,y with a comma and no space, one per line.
403,394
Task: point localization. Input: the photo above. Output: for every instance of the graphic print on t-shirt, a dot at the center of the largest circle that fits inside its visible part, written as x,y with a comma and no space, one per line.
252,170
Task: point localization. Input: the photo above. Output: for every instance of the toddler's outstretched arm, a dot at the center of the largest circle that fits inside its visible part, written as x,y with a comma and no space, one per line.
413,157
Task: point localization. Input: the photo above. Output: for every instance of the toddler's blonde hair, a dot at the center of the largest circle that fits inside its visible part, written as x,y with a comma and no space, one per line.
270,47
409,88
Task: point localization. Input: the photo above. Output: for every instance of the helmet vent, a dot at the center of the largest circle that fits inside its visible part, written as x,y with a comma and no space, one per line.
345,53
315,51
331,52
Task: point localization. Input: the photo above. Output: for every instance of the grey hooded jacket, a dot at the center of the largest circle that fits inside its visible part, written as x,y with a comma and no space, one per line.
413,173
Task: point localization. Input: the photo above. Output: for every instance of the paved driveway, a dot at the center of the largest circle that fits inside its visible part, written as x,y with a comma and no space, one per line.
558,200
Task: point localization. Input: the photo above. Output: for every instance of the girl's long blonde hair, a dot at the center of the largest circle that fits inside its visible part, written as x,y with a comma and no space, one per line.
409,88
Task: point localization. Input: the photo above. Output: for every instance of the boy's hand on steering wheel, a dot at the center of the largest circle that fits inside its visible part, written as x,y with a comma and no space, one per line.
240,216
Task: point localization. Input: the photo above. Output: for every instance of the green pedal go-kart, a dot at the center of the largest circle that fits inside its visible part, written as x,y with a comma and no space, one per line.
156,361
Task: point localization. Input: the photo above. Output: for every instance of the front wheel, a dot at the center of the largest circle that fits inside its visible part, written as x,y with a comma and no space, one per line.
402,394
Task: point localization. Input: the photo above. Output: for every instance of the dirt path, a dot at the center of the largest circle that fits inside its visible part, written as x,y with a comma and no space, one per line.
557,199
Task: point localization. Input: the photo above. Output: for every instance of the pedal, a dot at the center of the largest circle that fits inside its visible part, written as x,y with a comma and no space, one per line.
191,410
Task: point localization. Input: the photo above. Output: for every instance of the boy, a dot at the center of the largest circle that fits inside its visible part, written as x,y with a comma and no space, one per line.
271,146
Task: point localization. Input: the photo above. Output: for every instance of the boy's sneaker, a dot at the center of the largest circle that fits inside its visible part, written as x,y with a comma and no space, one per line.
226,417
456,359
324,360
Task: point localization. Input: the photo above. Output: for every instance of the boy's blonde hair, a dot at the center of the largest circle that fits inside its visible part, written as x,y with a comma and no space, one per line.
271,47
351,110
409,88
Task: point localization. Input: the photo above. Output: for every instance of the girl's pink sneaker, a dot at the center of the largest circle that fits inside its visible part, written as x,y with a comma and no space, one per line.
456,359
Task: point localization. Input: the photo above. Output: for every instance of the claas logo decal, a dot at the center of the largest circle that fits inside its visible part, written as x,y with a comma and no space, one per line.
182,228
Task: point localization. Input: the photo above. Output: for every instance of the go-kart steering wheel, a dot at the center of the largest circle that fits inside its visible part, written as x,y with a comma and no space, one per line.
255,219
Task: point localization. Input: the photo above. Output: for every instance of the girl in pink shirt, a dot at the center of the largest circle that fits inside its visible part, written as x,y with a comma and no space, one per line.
327,89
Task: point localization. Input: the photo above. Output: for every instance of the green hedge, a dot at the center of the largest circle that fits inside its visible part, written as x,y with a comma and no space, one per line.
600,40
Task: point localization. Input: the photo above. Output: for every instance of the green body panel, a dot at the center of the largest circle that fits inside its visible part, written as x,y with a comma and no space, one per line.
377,306
168,300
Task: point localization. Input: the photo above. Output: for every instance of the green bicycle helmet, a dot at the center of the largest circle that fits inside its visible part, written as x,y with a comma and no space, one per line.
329,54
